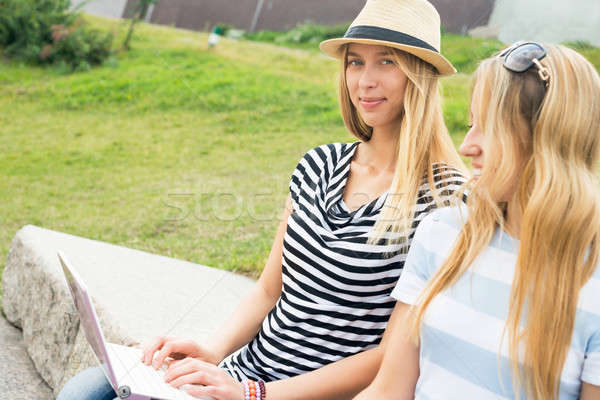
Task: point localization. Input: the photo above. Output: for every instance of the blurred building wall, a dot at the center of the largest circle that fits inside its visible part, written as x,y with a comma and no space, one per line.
547,20
457,15
105,8
542,20
274,14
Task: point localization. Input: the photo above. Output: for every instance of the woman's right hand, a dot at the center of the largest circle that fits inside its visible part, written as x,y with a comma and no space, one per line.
177,348
242,326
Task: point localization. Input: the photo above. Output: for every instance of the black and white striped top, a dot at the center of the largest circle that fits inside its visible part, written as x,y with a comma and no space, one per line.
335,300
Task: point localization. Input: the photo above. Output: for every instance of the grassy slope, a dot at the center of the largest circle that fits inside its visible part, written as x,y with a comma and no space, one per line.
125,155
177,150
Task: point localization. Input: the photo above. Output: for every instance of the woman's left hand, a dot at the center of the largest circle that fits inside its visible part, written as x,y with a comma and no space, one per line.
206,380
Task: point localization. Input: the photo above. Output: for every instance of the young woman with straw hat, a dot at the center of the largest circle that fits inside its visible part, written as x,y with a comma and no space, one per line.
505,302
311,326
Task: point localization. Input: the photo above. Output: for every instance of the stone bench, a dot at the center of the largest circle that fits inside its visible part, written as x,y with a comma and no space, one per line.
138,295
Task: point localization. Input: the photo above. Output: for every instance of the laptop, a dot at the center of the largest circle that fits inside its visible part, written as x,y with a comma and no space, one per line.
130,378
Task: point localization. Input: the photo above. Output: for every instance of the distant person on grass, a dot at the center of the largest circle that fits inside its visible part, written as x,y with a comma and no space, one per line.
505,292
311,326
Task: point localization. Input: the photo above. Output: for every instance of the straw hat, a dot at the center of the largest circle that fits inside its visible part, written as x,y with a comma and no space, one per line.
409,25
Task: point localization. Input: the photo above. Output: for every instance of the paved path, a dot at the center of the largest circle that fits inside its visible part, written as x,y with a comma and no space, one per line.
18,378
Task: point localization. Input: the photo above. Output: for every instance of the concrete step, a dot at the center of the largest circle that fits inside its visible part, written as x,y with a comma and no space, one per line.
18,378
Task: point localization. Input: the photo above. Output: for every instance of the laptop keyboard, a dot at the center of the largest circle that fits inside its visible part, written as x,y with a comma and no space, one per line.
129,370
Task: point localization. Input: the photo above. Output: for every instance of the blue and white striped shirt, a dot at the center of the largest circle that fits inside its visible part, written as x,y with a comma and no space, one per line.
462,353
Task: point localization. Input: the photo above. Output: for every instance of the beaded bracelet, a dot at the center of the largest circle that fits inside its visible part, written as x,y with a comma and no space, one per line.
246,390
249,390
254,390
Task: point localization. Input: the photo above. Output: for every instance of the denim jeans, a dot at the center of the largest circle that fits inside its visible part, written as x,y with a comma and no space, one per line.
90,384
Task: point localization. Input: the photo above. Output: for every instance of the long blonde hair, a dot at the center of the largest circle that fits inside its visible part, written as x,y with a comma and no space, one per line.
555,132
423,140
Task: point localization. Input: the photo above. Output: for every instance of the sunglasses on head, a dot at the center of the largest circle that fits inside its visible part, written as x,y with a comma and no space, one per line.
521,56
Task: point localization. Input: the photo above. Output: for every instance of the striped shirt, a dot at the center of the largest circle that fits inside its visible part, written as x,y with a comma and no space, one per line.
462,355
335,299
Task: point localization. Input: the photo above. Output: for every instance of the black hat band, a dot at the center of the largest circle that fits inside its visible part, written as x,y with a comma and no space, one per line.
388,35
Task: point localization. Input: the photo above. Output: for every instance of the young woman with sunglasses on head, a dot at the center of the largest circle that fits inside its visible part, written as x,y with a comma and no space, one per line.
311,326
500,300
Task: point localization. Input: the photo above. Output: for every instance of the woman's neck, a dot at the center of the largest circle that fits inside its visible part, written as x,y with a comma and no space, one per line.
512,223
380,152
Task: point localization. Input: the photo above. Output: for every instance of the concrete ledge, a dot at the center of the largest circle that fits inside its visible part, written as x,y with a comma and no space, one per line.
138,296
18,378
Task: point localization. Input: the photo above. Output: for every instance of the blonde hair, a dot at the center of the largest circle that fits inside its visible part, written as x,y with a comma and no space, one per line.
553,133
423,140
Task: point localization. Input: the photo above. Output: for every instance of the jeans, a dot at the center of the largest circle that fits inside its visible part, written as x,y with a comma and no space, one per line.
90,384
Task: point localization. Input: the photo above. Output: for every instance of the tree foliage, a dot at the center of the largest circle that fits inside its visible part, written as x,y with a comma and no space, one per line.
48,31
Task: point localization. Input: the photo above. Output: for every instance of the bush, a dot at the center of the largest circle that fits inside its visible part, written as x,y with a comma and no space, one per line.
47,31
311,33
588,50
79,47
263,36
580,45
466,52
304,33
224,28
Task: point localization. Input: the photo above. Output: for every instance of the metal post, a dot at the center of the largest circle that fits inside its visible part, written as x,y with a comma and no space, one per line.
149,12
259,6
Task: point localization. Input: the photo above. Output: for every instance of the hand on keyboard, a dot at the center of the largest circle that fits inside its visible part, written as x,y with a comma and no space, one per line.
157,350
206,380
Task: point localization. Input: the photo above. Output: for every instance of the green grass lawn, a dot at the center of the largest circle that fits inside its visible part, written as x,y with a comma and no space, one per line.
171,148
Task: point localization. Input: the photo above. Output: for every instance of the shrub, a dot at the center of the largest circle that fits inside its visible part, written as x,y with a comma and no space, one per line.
263,36
588,50
465,52
580,45
77,46
304,33
47,31
311,33
224,28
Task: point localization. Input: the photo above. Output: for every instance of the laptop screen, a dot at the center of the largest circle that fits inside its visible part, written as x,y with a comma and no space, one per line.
88,319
